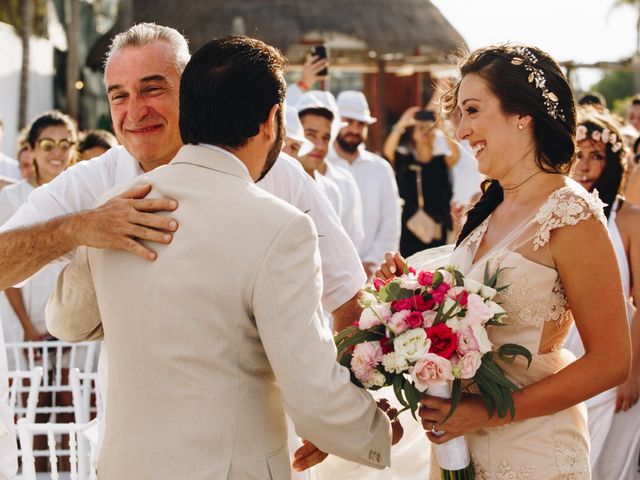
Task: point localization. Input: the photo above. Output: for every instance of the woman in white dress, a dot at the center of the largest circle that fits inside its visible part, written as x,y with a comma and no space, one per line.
614,415
518,115
51,140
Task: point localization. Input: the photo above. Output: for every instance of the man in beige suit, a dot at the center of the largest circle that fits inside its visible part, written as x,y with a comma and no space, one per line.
207,343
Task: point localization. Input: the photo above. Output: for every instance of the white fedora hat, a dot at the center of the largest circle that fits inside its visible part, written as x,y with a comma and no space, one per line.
295,131
353,104
322,99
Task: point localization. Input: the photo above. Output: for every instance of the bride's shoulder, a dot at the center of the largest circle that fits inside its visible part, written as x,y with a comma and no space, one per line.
567,206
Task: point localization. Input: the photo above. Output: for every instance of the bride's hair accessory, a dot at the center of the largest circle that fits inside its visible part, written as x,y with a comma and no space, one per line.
605,136
524,56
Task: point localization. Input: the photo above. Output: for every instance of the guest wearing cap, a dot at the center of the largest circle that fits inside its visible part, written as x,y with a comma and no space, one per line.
318,114
374,176
424,180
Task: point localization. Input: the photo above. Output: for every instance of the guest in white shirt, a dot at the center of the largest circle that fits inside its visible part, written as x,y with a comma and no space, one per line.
375,179
9,171
342,189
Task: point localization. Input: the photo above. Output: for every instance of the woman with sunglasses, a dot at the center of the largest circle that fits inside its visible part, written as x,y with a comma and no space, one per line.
614,415
51,139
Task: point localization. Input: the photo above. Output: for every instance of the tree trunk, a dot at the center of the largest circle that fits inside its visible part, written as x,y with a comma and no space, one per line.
73,70
26,13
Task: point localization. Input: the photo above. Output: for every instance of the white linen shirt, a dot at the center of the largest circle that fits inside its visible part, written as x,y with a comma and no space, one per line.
380,203
351,217
79,187
9,167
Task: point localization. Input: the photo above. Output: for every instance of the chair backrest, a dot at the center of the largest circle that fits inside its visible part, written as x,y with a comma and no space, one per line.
83,385
27,430
18,387
53,357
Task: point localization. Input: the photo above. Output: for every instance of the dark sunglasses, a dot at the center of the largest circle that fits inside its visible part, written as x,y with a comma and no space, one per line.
48,144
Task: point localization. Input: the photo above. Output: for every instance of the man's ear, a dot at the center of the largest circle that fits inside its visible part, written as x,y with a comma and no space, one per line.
270,127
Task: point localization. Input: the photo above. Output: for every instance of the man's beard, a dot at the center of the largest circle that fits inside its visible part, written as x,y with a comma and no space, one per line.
349,146
276,148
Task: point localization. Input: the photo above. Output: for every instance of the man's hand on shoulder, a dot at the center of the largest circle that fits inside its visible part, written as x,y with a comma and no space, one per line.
122,222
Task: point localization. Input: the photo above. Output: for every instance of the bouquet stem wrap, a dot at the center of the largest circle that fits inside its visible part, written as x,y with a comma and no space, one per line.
454,454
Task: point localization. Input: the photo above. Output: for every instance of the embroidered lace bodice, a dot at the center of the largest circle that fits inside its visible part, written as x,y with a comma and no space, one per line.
535,300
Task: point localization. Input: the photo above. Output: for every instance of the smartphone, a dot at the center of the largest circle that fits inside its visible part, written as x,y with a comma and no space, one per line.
321,52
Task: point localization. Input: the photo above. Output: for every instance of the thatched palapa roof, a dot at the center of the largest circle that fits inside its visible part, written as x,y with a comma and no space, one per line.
355,31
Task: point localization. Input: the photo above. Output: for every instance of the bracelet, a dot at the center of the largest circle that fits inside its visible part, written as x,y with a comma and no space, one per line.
303,86
397,129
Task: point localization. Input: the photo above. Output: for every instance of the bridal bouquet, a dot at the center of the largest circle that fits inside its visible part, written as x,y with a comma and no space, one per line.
425,332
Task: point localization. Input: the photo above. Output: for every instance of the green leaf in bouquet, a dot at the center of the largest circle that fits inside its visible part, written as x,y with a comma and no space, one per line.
359,337
459,278
485,394
509,351
345,333
456,393
438,278
439,315
413,396
502,288
495,374
398,383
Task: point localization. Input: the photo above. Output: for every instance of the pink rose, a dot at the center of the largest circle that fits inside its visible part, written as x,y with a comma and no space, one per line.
428,318
379,283
459,294
414,320
366,356
431,370
425,279
467,341
477,311
397,321
469,364
374,315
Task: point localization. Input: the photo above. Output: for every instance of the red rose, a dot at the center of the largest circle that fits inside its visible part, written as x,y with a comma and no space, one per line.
414,320
462,299
404,304
422,304
443,340
425,278
411,270
386,345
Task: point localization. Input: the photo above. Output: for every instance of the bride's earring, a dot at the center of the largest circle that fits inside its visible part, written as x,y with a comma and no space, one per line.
520,127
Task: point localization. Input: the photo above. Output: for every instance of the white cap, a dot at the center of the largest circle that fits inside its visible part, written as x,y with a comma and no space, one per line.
294,129
353,104
322,99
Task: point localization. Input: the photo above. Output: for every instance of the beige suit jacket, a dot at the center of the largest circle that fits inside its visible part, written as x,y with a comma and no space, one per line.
211,342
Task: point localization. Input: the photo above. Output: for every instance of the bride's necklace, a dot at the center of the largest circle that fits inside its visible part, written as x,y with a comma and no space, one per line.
511,189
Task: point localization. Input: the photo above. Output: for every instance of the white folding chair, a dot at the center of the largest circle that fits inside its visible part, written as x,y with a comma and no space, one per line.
17,388
53,357
83,385
27,430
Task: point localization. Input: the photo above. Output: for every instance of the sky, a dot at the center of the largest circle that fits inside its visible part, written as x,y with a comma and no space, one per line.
580,30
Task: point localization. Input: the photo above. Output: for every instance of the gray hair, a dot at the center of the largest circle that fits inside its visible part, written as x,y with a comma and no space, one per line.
142,34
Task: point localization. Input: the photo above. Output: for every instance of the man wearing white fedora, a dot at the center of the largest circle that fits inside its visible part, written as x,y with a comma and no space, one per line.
375,178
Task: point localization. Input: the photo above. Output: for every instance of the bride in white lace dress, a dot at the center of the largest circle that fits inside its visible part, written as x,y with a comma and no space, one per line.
550,236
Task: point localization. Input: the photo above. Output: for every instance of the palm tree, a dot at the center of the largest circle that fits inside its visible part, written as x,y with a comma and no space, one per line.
26,24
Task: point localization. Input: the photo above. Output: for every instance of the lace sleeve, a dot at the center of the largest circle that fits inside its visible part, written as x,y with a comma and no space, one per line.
567,206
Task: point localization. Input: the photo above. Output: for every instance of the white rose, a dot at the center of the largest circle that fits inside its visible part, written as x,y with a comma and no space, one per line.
495,308
377,380
472,286
488,292
456,324
394,362
412,344
449,303
447,277
409,282
367,299
484,344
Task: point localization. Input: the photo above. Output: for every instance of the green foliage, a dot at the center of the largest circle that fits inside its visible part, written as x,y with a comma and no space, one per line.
615,86
10,13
